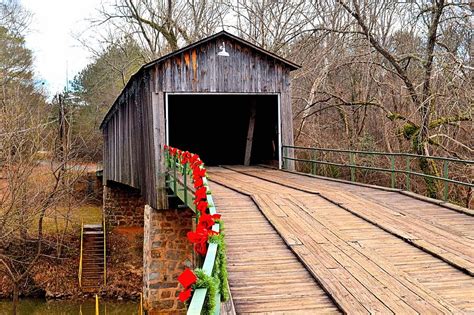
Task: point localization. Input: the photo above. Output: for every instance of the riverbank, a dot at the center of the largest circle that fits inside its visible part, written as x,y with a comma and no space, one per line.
57,278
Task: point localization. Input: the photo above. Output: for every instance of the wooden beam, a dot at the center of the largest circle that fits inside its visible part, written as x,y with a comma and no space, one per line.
248,147
158,110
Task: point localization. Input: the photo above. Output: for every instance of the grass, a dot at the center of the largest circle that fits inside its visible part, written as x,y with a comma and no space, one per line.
88,214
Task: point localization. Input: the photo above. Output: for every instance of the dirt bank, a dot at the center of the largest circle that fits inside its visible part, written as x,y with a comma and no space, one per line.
57,278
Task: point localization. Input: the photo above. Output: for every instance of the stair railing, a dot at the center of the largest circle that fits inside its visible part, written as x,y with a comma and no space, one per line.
80,257
105,250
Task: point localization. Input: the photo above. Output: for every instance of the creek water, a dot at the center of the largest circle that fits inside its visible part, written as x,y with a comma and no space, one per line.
87,307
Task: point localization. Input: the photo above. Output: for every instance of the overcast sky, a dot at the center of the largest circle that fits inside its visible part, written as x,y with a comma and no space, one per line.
51,38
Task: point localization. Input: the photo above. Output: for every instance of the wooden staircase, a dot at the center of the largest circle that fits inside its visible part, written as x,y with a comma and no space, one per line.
93,257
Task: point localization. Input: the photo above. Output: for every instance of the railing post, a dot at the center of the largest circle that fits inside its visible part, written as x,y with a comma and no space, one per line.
314,164
351,159
408,169
445,176
185,183
105,250
283,157
174,176
392,176
80,257
140,308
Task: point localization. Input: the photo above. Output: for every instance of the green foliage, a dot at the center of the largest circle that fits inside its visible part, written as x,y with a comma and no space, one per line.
220,267
15,59
410,130
210,283
96,88
16,72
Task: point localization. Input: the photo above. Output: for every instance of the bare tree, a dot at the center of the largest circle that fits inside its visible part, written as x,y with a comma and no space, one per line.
165,25
391,71
270,24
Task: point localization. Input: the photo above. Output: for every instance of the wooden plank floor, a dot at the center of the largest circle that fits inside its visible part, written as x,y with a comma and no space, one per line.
423,224
365,266
264,275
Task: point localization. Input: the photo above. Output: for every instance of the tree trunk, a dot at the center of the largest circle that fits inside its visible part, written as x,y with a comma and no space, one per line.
428,170
15,298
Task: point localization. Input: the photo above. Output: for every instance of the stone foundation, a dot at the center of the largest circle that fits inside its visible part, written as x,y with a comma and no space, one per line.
88,188
123,205
166,253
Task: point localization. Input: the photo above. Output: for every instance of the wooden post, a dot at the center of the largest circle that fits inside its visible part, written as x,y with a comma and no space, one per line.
352,162
446,184
159,139
408,170
392,175
248,147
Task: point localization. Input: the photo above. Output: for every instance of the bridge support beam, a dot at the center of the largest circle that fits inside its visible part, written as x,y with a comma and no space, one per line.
166,253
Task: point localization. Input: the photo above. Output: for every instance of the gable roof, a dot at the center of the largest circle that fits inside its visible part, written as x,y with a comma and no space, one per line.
289,64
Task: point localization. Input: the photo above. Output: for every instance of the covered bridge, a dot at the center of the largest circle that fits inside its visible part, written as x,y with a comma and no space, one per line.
221,97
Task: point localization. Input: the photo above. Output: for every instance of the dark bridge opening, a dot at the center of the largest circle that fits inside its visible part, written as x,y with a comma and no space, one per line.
217,127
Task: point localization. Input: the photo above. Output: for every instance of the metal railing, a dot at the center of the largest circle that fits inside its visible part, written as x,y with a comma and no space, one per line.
315,154
80,254
178,180
105,250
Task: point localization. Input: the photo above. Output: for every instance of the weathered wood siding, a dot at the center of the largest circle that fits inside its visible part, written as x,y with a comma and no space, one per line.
135,131
129,146
200,70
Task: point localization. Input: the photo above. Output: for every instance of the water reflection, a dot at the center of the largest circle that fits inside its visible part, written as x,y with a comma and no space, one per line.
43,307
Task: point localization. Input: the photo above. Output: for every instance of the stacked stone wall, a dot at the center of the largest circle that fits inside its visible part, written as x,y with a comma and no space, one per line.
123,205
166,253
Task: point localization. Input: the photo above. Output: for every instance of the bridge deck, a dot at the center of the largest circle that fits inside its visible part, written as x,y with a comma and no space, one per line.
370,250
260,265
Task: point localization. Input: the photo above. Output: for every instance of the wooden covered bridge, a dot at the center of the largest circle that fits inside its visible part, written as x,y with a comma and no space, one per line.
296,243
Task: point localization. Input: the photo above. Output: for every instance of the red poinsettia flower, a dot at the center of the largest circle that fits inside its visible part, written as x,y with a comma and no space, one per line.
184,295
187,278
202,206
207,220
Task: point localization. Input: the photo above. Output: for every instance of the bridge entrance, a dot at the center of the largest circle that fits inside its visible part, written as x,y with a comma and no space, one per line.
226,129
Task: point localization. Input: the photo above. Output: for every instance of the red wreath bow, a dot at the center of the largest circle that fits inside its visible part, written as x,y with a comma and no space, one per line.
200,195
198,182
199,239
202,206
187,279
199,172
207,220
